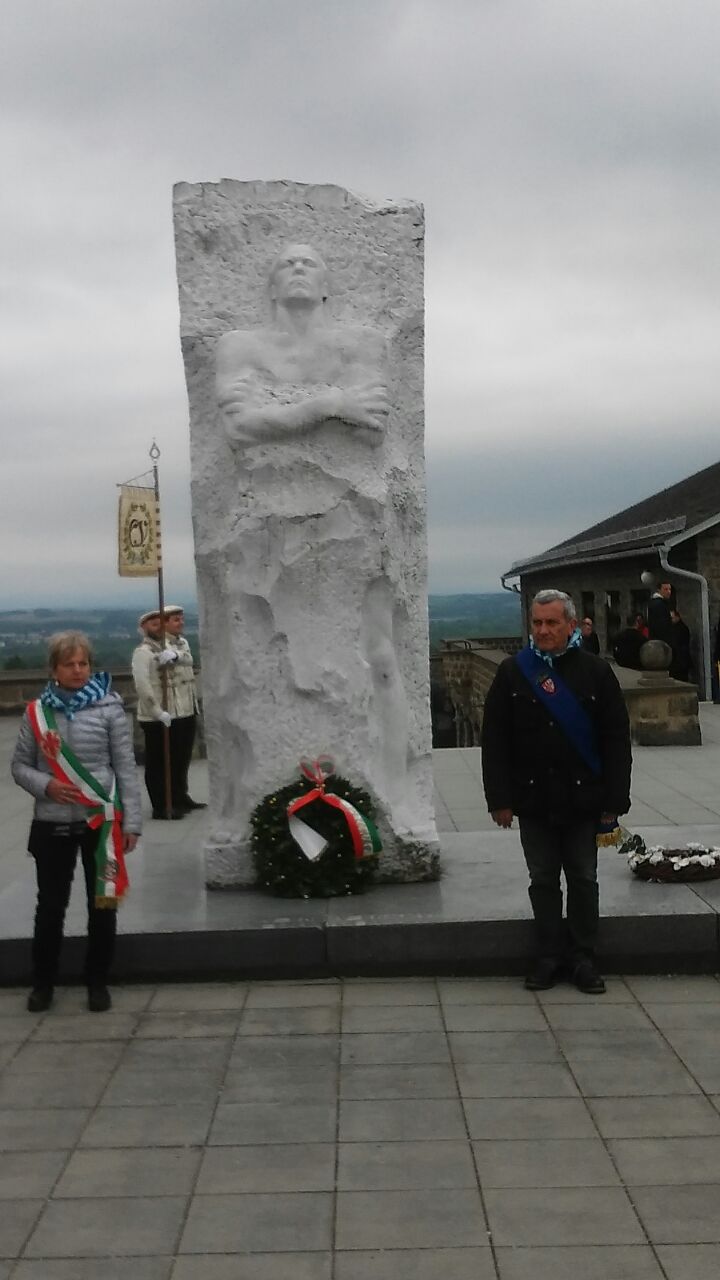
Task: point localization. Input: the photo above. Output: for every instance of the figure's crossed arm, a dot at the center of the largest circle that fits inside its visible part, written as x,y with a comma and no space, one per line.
254,412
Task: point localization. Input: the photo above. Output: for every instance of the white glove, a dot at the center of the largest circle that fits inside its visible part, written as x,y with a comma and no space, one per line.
165,718
167,656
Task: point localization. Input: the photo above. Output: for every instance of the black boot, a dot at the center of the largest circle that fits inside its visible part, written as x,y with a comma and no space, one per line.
40,999
543,975
99,1000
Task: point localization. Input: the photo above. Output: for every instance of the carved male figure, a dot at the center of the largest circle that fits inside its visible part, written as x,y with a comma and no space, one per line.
303,401
276,382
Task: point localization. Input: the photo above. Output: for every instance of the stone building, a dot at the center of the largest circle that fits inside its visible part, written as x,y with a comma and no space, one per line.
674,536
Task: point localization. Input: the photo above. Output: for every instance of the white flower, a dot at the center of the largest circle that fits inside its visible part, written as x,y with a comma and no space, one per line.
706,860
656,855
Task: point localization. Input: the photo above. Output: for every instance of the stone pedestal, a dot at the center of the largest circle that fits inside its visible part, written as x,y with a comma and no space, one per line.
302,335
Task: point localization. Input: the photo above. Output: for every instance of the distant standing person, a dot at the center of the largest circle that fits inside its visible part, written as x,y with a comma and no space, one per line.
590,641
149,661
74,747
556,753
628,643
659,619
680,645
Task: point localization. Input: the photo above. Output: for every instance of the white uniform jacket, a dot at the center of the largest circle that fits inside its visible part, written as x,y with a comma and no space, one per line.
181,695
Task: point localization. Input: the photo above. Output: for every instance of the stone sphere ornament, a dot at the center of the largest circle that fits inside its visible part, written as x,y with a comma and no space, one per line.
655,655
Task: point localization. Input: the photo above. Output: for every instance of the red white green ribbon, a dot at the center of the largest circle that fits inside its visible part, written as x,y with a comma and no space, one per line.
363,832
111,878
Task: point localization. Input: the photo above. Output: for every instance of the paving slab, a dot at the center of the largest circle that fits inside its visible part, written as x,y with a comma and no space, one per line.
281,1222
679,1215
690,1262
99,1228
258,1266
416,1264
409,1219
85,1269
611,1262
562,1215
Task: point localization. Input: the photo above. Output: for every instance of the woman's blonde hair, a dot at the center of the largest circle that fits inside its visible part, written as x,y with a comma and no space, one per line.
63,643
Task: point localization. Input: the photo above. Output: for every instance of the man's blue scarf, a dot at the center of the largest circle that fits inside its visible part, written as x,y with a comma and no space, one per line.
96,688
574,642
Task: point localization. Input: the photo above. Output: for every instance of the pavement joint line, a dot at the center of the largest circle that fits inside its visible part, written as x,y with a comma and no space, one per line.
604,1140
469,1141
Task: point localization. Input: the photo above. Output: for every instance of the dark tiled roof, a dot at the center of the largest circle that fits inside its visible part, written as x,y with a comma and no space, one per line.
647,523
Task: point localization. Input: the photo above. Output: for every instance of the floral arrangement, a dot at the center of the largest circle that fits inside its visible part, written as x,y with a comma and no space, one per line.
333,853
663,865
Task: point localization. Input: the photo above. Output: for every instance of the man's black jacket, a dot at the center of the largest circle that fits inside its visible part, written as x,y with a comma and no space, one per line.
530,766
659,619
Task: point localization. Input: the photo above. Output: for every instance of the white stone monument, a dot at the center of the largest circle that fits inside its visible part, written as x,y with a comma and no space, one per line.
302,333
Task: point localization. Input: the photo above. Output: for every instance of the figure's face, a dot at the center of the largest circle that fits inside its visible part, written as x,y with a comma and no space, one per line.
174,624
665,590
551,630
299,275
152,627
586,626
73,669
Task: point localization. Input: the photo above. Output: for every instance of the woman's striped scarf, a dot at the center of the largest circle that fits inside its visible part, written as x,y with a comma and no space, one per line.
97,687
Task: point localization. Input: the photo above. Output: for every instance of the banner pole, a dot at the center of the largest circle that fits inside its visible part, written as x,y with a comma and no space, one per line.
167,773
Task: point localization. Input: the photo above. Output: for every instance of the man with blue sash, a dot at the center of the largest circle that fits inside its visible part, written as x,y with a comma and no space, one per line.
556,754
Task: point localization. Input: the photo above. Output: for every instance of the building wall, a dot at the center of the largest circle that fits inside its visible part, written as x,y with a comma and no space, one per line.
708,563
597,581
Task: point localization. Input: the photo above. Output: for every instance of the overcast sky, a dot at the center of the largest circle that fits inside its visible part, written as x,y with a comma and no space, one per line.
568,156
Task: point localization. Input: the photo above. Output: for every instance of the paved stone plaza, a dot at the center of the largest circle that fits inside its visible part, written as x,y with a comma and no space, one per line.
462,1129
433,1128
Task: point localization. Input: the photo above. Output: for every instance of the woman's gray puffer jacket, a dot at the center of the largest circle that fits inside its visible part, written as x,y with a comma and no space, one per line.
100,738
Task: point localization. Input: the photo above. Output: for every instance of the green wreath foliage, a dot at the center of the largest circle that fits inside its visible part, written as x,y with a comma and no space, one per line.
281,866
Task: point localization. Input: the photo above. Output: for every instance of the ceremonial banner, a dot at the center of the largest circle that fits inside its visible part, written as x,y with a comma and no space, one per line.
139,552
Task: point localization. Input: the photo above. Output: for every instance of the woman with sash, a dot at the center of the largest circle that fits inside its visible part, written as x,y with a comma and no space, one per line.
74,754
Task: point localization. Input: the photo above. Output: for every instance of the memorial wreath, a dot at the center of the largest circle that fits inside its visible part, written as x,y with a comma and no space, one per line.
331,851
670,866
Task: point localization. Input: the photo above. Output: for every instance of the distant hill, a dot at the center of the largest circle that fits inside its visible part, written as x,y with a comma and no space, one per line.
490,613
112,632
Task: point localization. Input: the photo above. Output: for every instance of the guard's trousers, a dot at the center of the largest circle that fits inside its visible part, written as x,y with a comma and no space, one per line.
182,738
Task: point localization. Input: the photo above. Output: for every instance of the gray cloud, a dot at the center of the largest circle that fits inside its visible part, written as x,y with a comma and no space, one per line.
566,155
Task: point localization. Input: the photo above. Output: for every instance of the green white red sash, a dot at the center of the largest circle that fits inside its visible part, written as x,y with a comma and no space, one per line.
363,832
111,878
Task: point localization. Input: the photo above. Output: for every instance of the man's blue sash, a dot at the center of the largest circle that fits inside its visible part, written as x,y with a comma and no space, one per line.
561,702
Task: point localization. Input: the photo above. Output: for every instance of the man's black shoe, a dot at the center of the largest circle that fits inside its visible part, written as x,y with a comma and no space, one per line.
587,979
175,814
40,999
99,1000
188,805
543,976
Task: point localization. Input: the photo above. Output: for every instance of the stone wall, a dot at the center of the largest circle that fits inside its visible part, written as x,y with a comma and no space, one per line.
468,673
663,712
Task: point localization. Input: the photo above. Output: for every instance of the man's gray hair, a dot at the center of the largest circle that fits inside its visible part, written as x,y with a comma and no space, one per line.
551,596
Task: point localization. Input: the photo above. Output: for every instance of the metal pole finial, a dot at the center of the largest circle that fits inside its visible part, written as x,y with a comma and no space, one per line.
154,451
